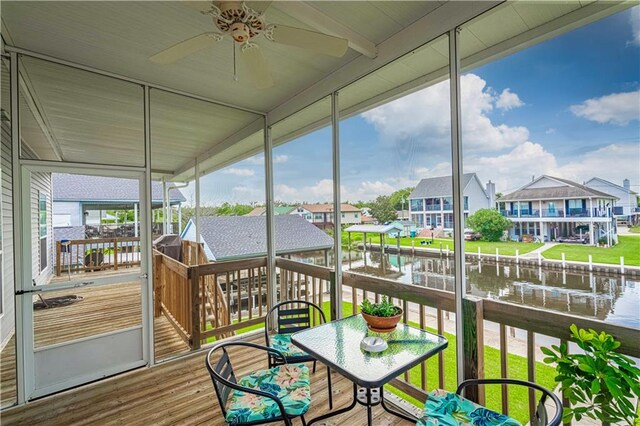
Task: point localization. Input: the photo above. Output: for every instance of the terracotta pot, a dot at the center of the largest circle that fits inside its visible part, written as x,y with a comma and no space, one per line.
382,324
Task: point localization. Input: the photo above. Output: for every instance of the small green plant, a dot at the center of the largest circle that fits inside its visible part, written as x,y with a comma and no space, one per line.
383,309
600,383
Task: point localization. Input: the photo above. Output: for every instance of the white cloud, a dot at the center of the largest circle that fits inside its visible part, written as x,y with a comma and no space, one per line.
426,115
515,168
367,190
285,192
258,160
241,189
239,172
635,25
613,163
508,100
617,108
440,169
551,131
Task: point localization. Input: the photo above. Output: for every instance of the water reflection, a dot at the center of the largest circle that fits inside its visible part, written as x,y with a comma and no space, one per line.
612,299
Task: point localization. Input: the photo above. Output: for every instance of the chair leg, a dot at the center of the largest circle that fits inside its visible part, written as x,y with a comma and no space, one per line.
330,391
314,366
304,422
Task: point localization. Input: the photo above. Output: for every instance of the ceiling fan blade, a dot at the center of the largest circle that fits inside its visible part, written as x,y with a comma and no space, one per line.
186,48
257,67
311,40
200,6
258,5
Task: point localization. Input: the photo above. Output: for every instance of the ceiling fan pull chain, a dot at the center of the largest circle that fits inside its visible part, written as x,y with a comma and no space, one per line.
235,63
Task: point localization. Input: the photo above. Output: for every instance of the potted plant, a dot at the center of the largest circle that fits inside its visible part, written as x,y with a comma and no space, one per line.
381,317
599,383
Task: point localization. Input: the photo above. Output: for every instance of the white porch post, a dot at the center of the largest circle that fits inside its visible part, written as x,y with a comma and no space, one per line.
272,289
135,219
21,343
179,218
336,295
458,210
147,235
197,212
164,206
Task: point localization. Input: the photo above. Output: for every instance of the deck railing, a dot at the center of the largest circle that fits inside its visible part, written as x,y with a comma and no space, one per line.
96,254
236,298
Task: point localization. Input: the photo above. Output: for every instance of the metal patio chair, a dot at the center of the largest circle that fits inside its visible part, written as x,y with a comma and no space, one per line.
277,394
291,318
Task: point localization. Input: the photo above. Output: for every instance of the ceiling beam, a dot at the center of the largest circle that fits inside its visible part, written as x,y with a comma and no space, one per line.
446,17
309,15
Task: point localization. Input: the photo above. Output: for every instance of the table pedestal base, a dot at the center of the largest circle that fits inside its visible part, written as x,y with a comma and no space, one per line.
369,398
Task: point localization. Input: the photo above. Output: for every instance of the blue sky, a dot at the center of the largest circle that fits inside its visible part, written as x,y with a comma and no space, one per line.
568,107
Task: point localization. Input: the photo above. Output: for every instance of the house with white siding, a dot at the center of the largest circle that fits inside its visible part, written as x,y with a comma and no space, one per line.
431,202
556,209
321,215
627,200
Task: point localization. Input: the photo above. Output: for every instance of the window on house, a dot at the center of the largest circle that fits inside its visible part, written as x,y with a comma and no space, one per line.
42,217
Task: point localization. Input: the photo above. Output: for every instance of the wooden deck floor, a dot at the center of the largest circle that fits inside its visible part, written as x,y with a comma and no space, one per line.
103,309
178,392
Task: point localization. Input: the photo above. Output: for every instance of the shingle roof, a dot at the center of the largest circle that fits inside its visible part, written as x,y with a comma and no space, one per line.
68,187
231,237
570,189
438,186
328,208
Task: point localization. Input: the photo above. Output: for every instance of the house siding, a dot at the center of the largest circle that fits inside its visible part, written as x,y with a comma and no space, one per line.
7,323
70,209
626,199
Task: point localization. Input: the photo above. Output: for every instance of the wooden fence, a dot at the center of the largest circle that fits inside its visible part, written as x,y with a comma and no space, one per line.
97,254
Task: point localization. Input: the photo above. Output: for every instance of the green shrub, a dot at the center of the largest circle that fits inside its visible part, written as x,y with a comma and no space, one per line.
600,383
489,223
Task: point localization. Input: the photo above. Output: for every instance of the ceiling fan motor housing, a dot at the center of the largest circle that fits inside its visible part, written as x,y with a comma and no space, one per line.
239,32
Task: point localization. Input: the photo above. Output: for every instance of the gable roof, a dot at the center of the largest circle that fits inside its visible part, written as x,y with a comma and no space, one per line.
440,186
606,182
232,237
565,189
69,187
328,208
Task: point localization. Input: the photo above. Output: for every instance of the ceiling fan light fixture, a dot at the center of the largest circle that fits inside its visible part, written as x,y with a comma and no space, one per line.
240,32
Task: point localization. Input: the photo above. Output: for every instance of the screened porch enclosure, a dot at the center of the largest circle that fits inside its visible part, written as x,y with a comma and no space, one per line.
83,103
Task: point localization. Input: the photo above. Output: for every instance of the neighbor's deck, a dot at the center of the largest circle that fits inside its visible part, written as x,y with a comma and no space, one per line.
176,392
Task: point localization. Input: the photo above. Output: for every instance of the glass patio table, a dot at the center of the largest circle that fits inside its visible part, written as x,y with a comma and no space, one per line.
337,345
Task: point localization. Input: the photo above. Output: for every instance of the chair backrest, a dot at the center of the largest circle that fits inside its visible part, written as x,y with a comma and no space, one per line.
293,315
220,372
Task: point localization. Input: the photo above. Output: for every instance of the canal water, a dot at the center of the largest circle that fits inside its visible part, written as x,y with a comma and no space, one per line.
612,299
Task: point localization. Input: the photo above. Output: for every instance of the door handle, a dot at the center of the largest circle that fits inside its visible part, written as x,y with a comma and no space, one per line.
145,276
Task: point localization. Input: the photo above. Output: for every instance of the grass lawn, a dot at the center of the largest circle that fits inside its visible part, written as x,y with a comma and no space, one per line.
635,229
518,399
507,248
629,247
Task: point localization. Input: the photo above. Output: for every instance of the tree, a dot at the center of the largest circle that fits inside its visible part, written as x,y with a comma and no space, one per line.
489,223
396,198
383,210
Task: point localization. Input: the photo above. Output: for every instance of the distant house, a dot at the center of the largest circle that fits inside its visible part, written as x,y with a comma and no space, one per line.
552,208
431,202
236,237
627,200
321,215
83,200
278,210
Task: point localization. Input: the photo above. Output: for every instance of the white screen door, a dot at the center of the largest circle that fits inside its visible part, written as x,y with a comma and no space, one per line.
85,280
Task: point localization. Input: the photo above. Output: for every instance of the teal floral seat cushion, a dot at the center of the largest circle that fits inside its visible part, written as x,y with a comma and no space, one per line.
450,409
282,343
290,383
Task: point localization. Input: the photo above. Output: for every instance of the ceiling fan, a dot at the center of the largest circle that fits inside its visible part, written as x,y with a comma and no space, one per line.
243,25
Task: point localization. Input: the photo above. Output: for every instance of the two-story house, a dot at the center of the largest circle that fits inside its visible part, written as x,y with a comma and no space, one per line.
552,208
431,202
627,200
321,215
